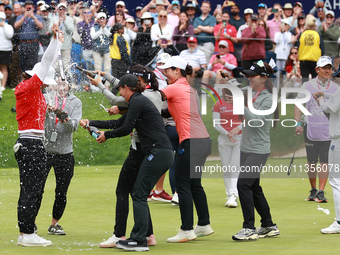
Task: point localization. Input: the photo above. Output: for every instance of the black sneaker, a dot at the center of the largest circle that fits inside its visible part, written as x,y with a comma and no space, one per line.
312,195
320,197
132,245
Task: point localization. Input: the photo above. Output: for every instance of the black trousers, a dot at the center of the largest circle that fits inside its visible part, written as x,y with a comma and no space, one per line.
250,192
191,153
31,158
308,67
63,165
155,163
118,67
126,181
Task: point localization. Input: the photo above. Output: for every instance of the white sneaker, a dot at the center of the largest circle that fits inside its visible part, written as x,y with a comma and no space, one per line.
232,201
182,236
111,242
203,230
334,228
175,200
27,240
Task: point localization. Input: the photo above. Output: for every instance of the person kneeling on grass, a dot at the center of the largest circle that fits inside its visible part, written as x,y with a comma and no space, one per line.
158,154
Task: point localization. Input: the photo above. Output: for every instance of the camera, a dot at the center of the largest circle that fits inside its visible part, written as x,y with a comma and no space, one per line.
275,10
218,57
28,9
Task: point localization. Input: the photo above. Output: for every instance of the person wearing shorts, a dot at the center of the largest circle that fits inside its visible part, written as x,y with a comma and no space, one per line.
316,127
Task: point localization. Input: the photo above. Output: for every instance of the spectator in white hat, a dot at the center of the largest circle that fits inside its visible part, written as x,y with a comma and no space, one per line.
221,61
330,34
247,14
129,33
66,25
100,34
287,10
120,6
297,9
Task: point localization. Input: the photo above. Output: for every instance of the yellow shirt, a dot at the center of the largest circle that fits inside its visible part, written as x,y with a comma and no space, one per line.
114,49
309,48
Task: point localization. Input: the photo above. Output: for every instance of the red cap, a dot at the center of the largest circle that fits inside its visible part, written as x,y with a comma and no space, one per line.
192,39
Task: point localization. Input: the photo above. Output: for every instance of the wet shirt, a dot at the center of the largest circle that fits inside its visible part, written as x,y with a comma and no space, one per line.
145,118
183,107
30,105
84,30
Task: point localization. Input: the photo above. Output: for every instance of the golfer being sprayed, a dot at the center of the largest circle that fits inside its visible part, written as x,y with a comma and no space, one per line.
29,150
255,150
155,144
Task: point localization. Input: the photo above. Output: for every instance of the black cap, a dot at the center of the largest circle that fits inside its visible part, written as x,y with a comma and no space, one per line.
129,80
257,69
117,26
254,17
2,4
301,16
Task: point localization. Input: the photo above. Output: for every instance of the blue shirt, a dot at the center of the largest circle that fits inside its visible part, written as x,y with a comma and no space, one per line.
205,37
28,30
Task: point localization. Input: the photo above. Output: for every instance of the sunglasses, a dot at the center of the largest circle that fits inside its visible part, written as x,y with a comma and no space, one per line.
221,46
329,17
295,53
161,16
320,9
86,12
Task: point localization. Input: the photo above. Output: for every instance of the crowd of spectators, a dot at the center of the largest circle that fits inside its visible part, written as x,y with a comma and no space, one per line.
96,40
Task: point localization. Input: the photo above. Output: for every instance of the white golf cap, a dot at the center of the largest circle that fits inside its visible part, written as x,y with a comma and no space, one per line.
330,12
162,58
224,43
40,2
42,8
120,3
61,5
146,15
248,11
101,15
175,61
49,79
130,20
324,61
285,21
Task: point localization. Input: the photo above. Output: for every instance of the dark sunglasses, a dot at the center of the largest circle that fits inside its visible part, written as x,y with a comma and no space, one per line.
295,53
161,16
221,46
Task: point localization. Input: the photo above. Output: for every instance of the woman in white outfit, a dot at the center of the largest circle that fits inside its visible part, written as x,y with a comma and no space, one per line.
229,149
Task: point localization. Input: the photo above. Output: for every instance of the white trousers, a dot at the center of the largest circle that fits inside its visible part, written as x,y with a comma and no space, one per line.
100,60
230,158
334,174
208,49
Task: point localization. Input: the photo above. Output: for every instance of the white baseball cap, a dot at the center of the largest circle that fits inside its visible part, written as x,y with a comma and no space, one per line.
330,12
224,43
248,11
175,61
101,15
61,4
130,20
162,58
285,21
120,3
49,79
146,15
324,61
41,2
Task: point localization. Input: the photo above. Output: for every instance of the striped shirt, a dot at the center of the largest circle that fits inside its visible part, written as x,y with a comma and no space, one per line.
197,58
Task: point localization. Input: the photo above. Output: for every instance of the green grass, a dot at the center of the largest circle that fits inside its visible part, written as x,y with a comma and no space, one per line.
89,217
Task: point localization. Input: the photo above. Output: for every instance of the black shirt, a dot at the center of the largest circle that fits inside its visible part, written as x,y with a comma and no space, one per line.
145,118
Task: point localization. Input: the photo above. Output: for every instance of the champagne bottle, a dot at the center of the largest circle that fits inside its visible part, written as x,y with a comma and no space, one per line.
93,131
90,73
62,115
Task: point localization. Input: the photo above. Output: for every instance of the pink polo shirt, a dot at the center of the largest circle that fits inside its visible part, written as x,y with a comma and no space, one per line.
183,107
273,27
